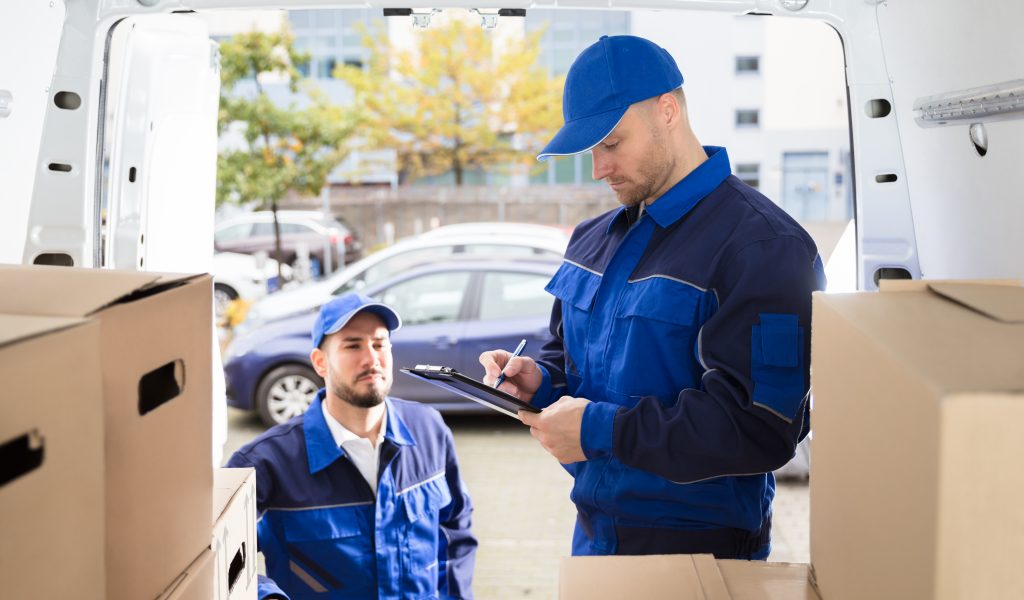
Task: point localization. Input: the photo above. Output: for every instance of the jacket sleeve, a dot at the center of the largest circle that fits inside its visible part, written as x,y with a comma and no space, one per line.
456,548
751,408
266,541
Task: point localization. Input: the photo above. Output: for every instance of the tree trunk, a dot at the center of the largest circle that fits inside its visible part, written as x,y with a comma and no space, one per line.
278,253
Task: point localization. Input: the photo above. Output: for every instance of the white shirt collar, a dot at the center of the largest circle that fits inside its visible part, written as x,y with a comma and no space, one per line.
341,434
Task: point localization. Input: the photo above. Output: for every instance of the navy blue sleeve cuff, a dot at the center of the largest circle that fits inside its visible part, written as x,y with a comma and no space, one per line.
544,396
596,431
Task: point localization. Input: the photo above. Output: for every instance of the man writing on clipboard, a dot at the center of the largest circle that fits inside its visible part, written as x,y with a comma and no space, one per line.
676,377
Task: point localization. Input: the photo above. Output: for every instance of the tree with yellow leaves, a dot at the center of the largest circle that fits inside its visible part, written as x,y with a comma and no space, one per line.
285,147
457,101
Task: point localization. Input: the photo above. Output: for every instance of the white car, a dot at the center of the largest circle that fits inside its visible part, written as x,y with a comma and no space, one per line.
240,276
495,228
405,254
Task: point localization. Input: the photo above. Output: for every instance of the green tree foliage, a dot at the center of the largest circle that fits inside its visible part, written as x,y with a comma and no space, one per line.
285,148
457,101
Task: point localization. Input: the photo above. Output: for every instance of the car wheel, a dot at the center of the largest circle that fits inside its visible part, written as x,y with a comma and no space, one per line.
222,297
286,392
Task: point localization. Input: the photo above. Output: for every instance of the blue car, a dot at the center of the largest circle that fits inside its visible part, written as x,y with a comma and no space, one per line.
451,312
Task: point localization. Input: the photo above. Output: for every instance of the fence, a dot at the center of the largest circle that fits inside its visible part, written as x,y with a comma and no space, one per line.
382,215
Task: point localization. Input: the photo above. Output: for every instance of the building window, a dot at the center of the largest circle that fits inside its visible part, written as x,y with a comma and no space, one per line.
750,174
748,117
748,65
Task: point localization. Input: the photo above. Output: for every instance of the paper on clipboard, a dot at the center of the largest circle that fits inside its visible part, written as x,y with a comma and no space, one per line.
467,387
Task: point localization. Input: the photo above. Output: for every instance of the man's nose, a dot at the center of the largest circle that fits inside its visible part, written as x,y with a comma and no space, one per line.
602,166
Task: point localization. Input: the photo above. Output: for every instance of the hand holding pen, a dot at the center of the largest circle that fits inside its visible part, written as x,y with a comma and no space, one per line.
519,350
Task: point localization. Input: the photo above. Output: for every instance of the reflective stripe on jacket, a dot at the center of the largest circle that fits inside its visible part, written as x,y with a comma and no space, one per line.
690,332
324,535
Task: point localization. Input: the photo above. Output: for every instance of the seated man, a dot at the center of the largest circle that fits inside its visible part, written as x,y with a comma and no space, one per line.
360,497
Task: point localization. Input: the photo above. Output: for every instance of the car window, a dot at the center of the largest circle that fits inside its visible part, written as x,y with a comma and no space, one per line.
433,298
261,229
515,295
504,251
234,232
393,265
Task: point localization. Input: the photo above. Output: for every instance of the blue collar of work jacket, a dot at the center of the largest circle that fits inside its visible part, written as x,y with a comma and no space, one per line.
683,196
320,447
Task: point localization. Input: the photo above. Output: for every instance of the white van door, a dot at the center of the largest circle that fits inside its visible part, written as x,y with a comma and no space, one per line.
160,144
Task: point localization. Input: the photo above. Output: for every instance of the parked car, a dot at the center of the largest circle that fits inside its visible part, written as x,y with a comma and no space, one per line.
254,232
451,312
385,263
497,228
240,277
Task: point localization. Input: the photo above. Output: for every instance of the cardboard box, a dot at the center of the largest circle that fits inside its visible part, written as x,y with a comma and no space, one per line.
195,582
681,577
155,357
759,580
916,479
234,534
51,459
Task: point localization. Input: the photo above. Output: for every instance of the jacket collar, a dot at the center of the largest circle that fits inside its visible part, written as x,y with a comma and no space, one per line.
683,196
321,451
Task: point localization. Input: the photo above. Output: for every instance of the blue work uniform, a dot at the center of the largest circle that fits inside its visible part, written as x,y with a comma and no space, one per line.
324,534
689,330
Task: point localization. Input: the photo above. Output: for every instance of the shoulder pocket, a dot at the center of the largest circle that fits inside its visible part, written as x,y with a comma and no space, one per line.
777,364
574,285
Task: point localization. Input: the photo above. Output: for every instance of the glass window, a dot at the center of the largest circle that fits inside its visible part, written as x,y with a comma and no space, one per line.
748,117
260,229
235,232
514,296
433,298
748,64
565,169
587,168
750,174
499,250
395,264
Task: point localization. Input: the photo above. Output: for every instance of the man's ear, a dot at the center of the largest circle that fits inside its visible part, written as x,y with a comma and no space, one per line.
668,110
319,360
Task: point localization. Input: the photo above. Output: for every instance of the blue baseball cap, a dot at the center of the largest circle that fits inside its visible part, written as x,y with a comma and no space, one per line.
339,311
603,81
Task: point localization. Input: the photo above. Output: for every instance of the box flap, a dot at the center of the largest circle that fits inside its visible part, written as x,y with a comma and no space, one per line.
1003,303
226,484
951,347
654,577
14,328
71,291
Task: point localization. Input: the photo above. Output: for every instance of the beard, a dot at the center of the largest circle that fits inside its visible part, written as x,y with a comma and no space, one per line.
368,399
654,168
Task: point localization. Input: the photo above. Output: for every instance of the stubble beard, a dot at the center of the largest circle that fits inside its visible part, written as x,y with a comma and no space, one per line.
368,399
654,167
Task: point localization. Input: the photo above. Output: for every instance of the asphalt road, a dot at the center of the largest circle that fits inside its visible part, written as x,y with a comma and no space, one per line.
523,516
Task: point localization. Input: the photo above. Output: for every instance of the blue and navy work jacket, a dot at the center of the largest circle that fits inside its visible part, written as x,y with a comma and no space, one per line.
689,330
324,534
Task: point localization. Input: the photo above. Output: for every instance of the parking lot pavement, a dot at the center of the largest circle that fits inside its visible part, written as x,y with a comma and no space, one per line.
523,516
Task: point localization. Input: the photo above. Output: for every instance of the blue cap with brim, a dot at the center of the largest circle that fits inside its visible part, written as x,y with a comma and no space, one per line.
338,312
604,80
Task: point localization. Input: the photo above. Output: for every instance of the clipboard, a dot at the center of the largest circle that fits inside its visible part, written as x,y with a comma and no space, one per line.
467,387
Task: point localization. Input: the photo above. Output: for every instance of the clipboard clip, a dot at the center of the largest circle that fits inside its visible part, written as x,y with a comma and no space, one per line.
435,369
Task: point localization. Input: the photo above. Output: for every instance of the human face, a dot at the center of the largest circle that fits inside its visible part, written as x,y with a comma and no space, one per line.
634,159
355,362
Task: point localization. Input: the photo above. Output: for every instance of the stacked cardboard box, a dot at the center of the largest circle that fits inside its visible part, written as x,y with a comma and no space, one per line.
51,459
918,405
681,577
234,534
153,361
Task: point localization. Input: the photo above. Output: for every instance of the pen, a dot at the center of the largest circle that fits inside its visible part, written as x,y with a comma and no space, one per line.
517,352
